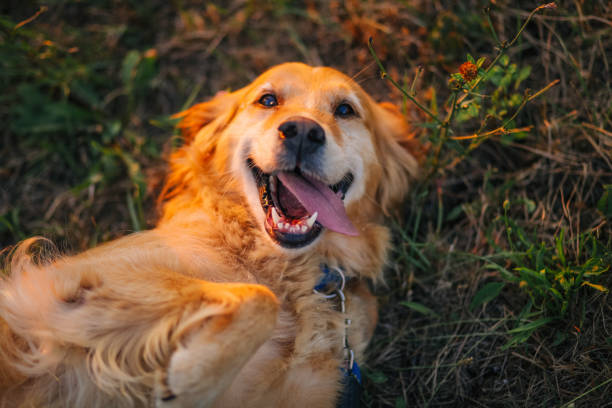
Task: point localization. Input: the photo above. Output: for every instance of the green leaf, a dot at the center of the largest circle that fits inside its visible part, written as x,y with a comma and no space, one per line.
530,327
128,69
517,339
487,293
559,338
530,204
417,307
377,377
605,202
506,274
471,59
400,403
559,243
454,213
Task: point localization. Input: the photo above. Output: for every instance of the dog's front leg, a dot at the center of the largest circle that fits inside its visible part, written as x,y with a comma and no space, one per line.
99,330
210,355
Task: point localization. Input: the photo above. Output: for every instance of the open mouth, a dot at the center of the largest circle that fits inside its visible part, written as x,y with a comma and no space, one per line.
298,207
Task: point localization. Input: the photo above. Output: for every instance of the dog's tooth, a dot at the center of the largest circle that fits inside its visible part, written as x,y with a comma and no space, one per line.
280,225
304,228
272,184
275,217
311,220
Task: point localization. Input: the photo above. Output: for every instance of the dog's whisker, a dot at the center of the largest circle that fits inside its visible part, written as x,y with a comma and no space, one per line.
364,69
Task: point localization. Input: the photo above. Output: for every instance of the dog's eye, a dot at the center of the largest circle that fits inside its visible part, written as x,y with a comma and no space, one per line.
268,100
344,110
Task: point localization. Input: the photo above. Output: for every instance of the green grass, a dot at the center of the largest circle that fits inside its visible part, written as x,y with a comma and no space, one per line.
498,293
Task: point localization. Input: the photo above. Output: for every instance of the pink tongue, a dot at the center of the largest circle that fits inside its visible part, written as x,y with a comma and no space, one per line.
316,196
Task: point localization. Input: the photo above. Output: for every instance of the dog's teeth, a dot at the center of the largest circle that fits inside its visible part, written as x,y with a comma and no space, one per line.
275,216
272,184
311,220
304,228
280,225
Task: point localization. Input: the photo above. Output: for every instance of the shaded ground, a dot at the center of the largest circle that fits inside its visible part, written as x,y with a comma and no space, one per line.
87,90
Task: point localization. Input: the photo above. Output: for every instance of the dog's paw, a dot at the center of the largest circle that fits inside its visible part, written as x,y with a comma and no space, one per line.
210,355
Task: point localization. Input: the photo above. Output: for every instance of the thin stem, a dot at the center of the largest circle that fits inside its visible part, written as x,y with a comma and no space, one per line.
416,77
504,46
488,13
570,403
451,113
518,110
541,91
516,37
398,86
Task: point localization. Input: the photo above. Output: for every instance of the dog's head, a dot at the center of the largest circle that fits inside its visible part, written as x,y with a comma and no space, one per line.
308,150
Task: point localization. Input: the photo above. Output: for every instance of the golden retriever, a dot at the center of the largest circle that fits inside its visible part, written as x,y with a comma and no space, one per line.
277,184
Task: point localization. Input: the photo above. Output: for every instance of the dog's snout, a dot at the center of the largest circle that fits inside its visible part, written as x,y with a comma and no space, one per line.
302,135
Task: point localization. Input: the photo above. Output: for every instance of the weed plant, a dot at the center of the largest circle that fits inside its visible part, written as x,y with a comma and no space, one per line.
484,95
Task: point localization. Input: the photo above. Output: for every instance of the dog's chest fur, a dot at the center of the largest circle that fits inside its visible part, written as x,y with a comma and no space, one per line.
301,360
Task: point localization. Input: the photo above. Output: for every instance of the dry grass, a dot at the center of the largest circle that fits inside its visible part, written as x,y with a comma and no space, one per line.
87,183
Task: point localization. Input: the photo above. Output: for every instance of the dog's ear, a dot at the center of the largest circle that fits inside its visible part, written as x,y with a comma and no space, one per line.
399,155
200,127
221,107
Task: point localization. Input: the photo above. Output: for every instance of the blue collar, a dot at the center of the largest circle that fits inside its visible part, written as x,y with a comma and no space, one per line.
332,281
330,285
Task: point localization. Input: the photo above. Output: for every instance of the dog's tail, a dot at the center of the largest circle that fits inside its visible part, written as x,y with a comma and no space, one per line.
21,295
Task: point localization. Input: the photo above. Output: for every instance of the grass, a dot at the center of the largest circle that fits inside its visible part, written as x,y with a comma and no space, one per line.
499,293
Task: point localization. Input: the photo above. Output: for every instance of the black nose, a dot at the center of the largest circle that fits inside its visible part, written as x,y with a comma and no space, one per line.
301,136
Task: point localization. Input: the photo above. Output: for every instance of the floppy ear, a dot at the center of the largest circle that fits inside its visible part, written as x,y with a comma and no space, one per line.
222,106
200,126
399,155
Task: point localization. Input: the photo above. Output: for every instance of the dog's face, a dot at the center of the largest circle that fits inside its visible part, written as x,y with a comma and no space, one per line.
310,149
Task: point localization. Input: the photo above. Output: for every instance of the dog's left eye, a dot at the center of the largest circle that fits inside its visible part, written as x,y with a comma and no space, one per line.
268,100
344,110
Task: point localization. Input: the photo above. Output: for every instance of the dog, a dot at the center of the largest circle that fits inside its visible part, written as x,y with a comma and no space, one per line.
252,289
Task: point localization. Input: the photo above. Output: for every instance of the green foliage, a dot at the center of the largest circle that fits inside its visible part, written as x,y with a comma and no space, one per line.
487,293
487,97
546,274
418,307
64,105
605,202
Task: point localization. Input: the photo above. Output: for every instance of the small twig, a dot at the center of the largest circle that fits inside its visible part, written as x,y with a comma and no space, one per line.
416,77
488,13
493,133
570,403
541,91
398,86
597,129
518,110
451,113
520,31
529,98
30,19
505,45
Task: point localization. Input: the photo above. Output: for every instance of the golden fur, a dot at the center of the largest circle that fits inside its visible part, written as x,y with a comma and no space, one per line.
206,308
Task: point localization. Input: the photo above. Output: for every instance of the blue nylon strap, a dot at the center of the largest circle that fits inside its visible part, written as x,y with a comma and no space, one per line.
330,285
330,281
350,396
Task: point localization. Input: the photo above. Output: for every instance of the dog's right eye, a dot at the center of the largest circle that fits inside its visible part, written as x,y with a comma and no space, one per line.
268,100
